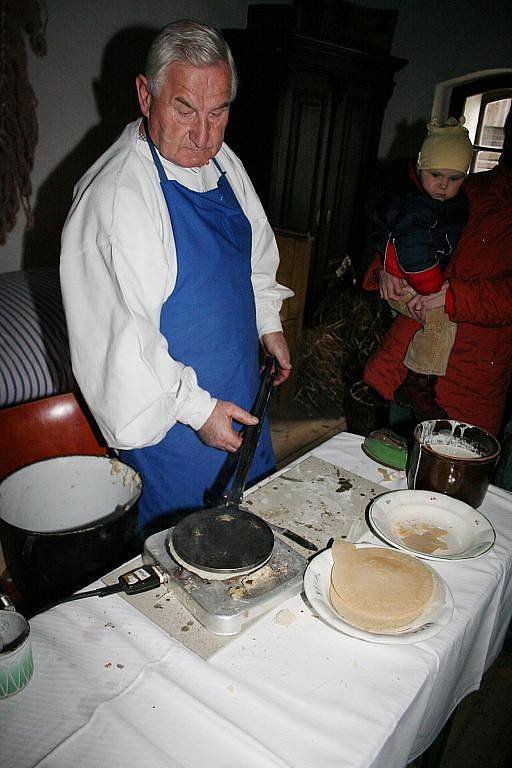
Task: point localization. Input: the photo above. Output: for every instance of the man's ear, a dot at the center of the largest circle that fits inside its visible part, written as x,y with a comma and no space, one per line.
143,93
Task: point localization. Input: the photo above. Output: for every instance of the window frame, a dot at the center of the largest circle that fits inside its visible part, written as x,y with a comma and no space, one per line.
487,97
490,89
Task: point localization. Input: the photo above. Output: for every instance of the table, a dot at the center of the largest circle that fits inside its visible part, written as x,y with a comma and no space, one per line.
112,688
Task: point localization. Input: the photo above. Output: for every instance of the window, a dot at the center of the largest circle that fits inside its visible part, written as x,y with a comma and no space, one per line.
485,114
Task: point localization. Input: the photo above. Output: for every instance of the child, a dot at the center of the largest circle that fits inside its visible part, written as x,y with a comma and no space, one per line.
418,214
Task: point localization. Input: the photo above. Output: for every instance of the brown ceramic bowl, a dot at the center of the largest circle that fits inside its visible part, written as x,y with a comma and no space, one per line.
452,457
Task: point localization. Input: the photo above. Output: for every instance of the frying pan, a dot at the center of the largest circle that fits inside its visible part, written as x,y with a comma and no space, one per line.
227,540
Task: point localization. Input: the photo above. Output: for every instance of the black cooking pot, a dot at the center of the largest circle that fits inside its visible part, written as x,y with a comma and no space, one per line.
66,521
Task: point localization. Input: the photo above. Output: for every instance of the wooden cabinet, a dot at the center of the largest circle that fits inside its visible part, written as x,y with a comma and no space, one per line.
306,124
295,252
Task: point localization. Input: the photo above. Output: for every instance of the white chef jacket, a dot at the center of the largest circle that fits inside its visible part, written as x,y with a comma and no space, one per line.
119,266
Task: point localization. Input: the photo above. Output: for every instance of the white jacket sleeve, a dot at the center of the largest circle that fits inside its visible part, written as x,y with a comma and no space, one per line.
268,293
115,280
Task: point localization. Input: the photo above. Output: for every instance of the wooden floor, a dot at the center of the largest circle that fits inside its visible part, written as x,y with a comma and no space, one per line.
293,436
481,734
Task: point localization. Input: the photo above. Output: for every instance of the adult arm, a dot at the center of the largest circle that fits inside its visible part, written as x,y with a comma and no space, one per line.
268,293
218,432
371,279
135,389
392,288
117,270
420,305
486,301
276,345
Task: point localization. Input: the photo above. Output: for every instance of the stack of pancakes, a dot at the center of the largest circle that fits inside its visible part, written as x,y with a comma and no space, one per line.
378,590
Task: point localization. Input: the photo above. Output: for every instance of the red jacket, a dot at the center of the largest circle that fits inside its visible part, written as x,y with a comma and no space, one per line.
479,300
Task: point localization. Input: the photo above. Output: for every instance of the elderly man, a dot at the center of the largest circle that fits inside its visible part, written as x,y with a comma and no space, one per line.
168,271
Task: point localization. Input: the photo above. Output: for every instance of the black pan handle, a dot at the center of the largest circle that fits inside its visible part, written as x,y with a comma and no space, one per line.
252,433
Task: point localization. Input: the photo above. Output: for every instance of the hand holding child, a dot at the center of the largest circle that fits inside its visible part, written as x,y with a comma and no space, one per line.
391,287
419,305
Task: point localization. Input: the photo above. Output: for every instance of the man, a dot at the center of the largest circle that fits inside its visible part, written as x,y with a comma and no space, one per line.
168,277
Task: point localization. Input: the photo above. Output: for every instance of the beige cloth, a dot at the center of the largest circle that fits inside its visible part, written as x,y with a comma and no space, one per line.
430,347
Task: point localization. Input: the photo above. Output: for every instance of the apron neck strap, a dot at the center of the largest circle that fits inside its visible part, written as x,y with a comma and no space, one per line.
222,173
157,161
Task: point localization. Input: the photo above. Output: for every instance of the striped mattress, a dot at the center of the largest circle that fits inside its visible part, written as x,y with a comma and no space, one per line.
34,349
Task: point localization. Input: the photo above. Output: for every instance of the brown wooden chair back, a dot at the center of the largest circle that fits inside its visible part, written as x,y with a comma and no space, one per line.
42,429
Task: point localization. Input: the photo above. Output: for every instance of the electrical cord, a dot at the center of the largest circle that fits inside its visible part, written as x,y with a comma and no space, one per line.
141,579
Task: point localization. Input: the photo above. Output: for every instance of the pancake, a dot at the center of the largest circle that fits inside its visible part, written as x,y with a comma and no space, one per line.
377,589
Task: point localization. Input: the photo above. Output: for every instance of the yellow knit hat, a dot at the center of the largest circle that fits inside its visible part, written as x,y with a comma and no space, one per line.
447,146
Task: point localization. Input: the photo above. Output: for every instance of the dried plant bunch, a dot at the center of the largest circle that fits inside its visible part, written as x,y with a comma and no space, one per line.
18,122
348,326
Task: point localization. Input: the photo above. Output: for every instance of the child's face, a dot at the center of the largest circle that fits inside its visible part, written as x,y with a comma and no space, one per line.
441,184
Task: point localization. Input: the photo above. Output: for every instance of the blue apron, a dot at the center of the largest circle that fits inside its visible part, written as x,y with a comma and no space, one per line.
209,322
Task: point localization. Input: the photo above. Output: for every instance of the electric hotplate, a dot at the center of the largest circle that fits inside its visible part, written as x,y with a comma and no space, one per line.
225,606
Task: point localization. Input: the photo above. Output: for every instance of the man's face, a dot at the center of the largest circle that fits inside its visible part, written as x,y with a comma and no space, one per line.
188,116
443,184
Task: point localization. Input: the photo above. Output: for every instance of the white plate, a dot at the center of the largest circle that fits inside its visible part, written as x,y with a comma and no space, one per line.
464,531
317,579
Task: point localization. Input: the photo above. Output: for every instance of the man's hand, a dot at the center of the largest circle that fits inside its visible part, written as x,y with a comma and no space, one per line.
420,305
217,431
275,344
391,287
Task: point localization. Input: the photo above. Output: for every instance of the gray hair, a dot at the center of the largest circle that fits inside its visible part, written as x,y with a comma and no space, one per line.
189,42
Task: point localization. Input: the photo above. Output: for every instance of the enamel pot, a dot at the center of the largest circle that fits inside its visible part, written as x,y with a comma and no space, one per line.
452,457
66,521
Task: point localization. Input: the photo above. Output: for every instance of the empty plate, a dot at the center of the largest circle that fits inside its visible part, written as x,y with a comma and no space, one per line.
431,525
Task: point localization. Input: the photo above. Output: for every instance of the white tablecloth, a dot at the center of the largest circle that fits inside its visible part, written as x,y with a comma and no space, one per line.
111,688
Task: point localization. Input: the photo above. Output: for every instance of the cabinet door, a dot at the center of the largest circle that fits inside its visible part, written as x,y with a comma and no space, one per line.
295,254
300,151
342,206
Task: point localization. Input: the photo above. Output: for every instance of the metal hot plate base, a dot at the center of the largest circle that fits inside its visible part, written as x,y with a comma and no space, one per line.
224,607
